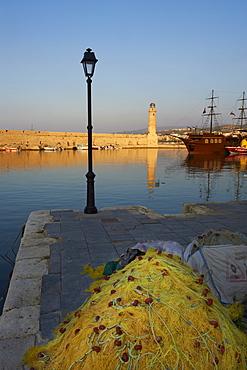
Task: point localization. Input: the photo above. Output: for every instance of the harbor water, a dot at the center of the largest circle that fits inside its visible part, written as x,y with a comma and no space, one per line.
159,179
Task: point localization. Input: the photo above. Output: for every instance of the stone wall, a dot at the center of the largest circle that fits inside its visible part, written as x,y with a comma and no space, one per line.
34,139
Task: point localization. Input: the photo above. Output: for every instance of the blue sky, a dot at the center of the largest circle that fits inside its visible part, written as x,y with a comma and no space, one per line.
172,53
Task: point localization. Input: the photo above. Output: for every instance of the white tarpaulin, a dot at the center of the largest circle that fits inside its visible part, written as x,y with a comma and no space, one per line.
225,270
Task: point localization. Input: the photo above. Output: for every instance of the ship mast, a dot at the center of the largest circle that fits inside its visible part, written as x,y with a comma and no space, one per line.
242,116
211,113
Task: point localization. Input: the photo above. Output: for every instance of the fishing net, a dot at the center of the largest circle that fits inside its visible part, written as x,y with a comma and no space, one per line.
215,237
155,313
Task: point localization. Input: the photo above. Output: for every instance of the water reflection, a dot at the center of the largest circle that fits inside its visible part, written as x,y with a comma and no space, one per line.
163,167
212,168
207,162
210,165
239,167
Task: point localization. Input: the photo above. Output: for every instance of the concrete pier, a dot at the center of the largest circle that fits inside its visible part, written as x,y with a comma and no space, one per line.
47,282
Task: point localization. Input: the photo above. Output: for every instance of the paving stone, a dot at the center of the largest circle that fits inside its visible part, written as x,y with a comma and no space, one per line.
50,302
74,266
55,263
53,229
48,322
55,257
72,301
68,214
121,237
75,283
56,216
113,232
51,283
73,235
55,247
75,253
94,238
104,257
68,245
142,235
96,227
73,225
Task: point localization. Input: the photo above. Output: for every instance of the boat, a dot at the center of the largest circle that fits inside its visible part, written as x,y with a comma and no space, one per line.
236,150
242,149
211,142
12,150
80,147
85,147
49,148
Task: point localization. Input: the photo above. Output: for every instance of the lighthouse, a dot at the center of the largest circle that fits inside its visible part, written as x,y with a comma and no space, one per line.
152,135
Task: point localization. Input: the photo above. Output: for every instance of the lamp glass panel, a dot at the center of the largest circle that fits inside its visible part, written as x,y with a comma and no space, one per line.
89,67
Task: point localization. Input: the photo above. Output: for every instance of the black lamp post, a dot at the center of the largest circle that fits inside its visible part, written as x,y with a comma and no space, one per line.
88,63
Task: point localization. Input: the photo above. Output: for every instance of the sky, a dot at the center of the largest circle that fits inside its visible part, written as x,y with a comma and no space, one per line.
171,53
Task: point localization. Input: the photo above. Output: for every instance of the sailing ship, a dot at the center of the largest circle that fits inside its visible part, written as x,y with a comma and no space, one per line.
211,142
242,120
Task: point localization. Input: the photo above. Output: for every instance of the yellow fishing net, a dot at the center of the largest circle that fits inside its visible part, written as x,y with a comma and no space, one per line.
155,313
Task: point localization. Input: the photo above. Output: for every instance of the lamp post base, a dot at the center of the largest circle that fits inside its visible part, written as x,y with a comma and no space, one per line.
90,207
90,210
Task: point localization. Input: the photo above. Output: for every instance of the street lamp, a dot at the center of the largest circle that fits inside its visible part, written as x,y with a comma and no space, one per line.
88,63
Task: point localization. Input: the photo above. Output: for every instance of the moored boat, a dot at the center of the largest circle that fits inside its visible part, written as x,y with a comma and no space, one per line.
80,147
210,142
85,147
48,148
236,150
242,149
12,150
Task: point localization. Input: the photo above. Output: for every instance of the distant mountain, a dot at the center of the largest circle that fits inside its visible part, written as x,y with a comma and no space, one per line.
169,129
141,131
145,130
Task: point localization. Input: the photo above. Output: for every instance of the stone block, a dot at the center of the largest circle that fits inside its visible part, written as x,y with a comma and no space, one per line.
37,251
34,226
34,267
36,239
22,293
20,322
12,352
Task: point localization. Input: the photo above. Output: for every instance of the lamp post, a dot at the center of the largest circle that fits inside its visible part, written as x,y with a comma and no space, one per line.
88,62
